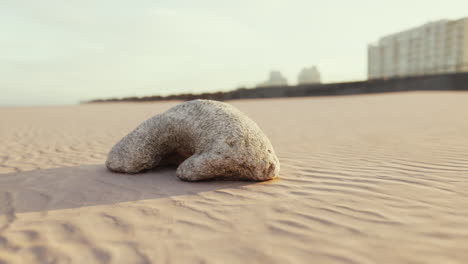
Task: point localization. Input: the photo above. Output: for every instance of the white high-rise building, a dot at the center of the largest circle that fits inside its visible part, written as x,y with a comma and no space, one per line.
434,48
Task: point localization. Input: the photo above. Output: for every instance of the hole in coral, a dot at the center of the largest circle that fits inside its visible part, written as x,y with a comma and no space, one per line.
174,158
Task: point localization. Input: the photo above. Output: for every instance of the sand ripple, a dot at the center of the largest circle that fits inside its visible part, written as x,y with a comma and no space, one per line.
365,179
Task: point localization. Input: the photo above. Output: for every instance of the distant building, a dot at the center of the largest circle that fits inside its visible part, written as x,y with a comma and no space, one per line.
275,79
434,48
309,75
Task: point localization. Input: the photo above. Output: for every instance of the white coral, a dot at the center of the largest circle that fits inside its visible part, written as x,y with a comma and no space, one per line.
209,139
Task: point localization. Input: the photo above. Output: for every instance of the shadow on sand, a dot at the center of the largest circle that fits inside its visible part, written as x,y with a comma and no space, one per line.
73,187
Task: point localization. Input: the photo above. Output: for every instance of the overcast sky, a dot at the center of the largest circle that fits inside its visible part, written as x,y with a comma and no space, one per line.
61,52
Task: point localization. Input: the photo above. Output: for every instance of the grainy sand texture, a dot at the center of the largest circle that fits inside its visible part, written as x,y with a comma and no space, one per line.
364,179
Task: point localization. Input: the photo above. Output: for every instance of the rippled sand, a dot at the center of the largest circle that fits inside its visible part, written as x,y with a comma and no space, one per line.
365,179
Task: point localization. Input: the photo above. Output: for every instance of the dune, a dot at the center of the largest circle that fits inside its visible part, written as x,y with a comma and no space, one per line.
364,179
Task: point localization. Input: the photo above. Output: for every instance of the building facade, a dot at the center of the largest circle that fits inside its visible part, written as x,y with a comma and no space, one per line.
434,48
309,75
275,79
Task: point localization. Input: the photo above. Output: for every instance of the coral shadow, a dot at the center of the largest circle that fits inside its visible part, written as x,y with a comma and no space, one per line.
73,187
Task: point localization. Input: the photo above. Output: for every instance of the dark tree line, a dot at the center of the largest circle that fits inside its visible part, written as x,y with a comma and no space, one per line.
458,81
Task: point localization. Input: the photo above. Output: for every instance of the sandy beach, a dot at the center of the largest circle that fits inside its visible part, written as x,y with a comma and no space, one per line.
364,179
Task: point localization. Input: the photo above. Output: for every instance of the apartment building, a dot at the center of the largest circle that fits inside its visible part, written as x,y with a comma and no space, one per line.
434,48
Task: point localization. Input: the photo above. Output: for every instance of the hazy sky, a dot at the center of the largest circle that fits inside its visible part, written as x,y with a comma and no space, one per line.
60,52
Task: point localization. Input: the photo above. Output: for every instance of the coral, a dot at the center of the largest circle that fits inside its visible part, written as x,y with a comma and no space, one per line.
207,139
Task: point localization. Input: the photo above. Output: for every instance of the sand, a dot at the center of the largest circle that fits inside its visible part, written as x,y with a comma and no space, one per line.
364,179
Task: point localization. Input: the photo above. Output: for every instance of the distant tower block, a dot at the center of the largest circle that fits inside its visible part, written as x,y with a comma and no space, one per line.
275,79
439,47
309,75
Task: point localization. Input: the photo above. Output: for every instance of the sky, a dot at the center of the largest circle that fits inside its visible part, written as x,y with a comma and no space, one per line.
64,52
